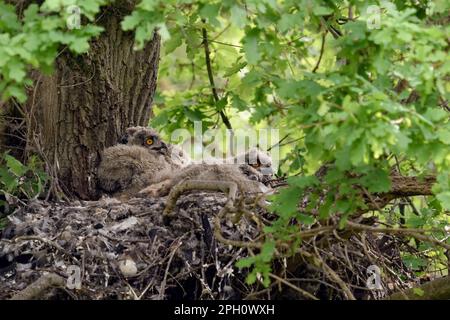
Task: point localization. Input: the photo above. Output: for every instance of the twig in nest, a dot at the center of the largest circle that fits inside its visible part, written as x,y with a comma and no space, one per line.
334,276
40,286
415,233
290,285
163,283
330,273
234,243
224,186
46,241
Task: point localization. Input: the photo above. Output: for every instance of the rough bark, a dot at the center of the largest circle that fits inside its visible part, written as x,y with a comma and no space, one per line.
438,289
88,101
402,186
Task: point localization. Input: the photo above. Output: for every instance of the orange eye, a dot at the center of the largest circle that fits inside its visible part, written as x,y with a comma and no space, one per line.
256,165
149,141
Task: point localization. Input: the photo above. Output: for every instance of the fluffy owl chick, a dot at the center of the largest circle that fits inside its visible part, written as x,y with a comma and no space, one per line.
243,176
149,138
128,169
258,159
254,165
255,158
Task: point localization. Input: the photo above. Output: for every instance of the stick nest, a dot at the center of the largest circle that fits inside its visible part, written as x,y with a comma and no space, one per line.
124,250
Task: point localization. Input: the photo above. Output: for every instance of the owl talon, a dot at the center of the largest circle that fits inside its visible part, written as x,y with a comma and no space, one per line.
151,191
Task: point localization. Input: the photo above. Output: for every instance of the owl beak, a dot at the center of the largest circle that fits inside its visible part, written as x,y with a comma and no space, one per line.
163,148
123,139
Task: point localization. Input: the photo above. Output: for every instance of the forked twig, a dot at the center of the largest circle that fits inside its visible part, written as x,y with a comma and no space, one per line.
229,187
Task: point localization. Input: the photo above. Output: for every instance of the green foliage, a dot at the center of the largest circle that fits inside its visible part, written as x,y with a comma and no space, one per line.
21,180
376,96
34,40
261,263
3,223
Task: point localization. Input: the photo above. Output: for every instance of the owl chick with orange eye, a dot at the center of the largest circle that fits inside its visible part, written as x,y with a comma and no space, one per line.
149,138
132,164
144,137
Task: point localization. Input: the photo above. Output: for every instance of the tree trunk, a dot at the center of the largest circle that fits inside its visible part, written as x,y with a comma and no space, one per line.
88,101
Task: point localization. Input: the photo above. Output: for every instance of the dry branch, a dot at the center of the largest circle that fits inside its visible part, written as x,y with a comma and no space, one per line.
38,288
438,289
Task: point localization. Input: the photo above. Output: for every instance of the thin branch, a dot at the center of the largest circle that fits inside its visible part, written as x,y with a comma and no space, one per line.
415,233
226,44
329,272
322,49
350,12
334,276
163,283
217,36
290,285
46,241
278,143
225,119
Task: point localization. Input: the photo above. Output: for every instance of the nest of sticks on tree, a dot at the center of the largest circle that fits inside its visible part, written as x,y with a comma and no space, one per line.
108,249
